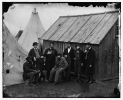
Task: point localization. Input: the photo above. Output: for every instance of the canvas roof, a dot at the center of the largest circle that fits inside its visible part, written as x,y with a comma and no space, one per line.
32,32
81,28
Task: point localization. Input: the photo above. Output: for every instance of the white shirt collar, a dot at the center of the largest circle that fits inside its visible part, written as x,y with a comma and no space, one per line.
89,48
35,48
69,49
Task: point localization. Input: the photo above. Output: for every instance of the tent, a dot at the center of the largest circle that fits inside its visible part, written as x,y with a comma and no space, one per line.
13,58
32,32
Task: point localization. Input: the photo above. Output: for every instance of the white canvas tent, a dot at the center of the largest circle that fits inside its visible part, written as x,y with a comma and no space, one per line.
13,58
32,32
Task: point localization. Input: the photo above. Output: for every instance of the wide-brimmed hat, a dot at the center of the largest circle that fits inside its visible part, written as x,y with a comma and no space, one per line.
35,43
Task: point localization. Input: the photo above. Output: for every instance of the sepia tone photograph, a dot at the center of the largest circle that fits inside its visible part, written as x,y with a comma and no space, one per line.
61,50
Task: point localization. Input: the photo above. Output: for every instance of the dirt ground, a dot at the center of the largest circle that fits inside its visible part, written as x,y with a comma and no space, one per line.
64,89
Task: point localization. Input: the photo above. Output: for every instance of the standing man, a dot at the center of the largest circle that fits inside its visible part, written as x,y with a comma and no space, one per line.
36,55
50,55
60,66
78,62
89,62
69,54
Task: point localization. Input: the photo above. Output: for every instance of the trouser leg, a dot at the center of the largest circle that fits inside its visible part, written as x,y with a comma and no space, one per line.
45,74
68,74
79,69
50,66
36,77
31,77
42,75
57,75
52,72
75,67
48,74
68,70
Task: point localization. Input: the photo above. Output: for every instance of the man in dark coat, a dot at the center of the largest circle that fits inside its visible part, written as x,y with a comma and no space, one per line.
35,54
78,62
89,62
50,54
69,54
29,71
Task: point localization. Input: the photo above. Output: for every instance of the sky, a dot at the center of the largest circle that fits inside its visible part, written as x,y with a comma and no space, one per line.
18,15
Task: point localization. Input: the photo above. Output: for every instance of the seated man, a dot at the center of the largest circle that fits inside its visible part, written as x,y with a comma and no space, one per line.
29,71
60,65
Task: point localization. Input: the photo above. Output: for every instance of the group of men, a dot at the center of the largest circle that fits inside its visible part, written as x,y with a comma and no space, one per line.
52,65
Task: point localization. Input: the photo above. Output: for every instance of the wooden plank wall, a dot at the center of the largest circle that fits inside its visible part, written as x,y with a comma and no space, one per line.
104,56
115,51
60,46
109,56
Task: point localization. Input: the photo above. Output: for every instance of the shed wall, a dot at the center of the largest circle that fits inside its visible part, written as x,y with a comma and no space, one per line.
109,55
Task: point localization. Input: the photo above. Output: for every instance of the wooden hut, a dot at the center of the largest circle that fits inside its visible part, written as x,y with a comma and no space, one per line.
100,29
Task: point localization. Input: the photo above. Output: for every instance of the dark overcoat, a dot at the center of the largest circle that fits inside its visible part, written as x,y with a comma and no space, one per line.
89,60
32,53
71,53
38,60
70,61
50,58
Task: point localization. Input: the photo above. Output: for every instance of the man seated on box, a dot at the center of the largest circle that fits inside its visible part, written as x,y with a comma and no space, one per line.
60,65
30,72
